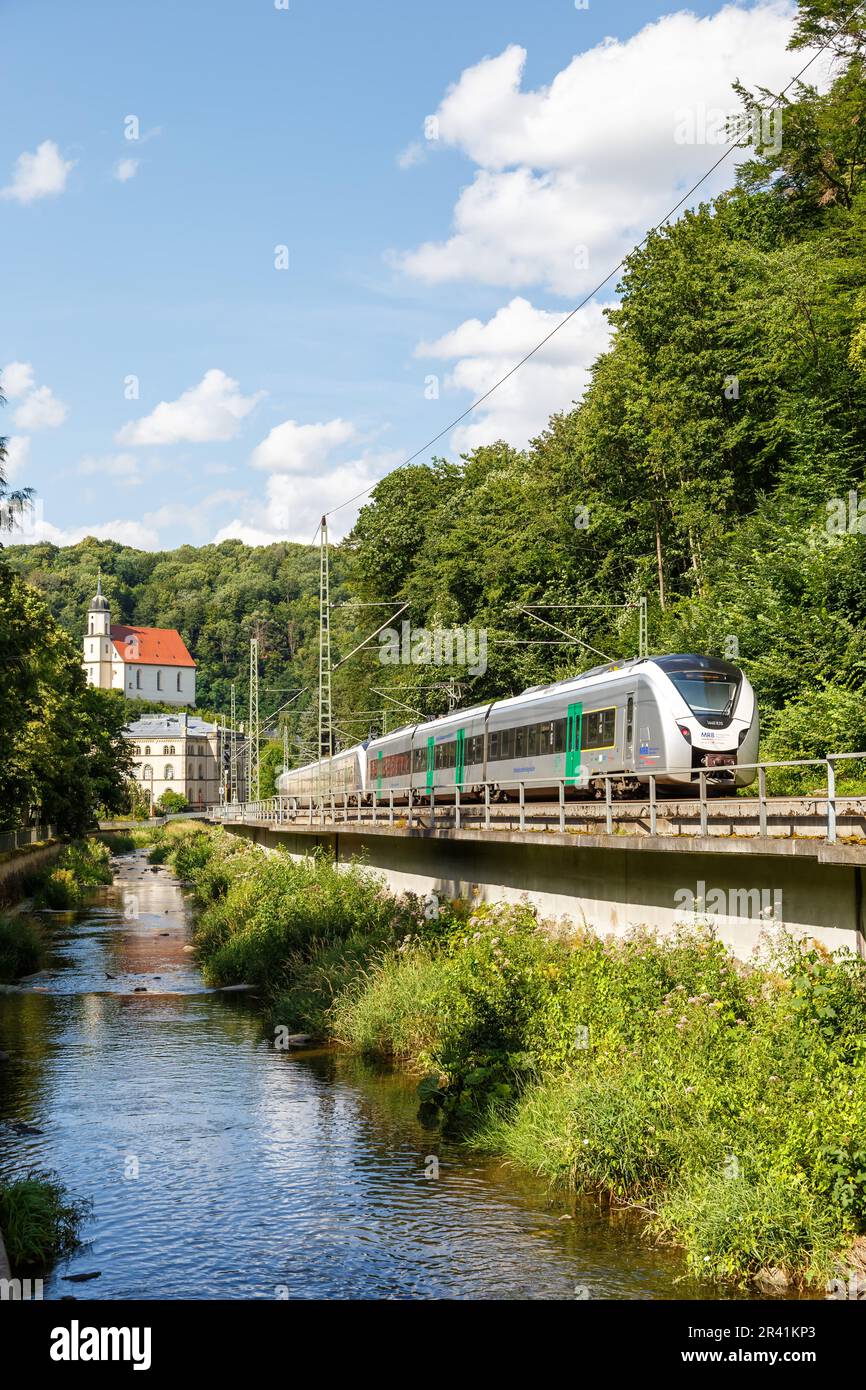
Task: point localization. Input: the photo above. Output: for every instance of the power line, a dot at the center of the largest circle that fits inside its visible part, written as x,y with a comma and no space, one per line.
592,293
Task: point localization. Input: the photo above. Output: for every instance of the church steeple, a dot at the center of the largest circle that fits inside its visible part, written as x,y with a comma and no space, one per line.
98,617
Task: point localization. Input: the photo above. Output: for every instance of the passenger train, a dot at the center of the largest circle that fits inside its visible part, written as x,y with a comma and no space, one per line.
672,716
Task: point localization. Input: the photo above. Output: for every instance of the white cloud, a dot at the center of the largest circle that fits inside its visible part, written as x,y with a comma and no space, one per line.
571,175
412,155
16,379
17,455
38,175
40,410
122,467
35,527
209,412
294,503
294,448
125,169
551,381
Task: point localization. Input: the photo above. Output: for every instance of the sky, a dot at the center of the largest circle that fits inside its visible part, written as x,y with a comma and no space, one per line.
256,254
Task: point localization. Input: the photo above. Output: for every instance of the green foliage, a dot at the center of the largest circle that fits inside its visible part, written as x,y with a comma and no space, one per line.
63,758
40,1222
170,803
22,948
80,867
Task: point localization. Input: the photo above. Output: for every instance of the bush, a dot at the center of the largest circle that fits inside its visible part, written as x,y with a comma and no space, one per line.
21,948
830,718
171,803
40,1223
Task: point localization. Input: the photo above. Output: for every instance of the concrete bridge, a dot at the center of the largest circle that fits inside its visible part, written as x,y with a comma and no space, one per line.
741,864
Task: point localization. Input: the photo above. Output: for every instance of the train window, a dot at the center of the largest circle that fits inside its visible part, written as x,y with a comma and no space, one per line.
629,719
494,745
519,742
507,743
545,738
599,728
532,740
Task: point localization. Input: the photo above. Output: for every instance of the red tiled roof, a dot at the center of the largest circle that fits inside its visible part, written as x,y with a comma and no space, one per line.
150,646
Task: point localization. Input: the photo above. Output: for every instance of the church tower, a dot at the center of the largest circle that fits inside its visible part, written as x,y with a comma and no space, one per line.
97,641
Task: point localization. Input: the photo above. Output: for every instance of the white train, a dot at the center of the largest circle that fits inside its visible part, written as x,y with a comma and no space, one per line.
668,715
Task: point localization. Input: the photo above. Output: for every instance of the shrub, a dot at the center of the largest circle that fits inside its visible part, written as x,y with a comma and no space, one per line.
171,803
40,1223
21,948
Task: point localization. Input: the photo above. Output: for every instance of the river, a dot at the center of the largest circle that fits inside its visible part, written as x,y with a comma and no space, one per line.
221,1168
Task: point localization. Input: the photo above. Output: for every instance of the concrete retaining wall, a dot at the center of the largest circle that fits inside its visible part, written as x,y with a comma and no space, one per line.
616,886
23,862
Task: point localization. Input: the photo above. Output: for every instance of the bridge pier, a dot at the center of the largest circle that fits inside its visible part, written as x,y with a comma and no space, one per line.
614,883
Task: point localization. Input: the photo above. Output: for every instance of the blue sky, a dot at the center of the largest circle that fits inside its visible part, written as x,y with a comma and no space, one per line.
422,259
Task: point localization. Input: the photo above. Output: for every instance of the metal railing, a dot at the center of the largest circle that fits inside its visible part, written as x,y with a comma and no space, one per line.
454,807
31,835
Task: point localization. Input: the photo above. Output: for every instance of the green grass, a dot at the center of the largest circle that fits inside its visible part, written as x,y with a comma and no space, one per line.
21,948
40,1222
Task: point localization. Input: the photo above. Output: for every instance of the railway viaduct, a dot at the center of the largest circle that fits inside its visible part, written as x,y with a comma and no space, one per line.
740,867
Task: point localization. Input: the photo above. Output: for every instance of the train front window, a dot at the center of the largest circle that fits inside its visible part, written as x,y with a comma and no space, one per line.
704,692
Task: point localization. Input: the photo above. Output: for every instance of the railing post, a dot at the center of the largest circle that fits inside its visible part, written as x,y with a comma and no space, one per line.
409,802
486,805
311,808
653,806
375,805
456,807
831,801
562,805
702,783
608,805
522,806
345,808
390,805
433,806
333,810
762,800
358,817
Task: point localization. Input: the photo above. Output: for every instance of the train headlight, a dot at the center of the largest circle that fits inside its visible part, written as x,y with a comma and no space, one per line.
686,732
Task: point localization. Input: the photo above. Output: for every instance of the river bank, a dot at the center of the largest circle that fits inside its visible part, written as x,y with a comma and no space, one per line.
220,1165
725,1102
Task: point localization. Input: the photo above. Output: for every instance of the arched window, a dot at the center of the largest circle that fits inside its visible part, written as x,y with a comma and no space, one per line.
146,771
171,751
200,773
147,750
189,771
165,750
138,680
169,772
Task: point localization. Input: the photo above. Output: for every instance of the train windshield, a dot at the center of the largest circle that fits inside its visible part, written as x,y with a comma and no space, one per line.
705,692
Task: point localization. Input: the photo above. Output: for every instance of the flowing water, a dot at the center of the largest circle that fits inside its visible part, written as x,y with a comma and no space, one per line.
221,1168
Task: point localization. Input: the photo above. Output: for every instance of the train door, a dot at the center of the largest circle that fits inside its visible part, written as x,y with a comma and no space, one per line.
460,758
629,731
431,761
573,736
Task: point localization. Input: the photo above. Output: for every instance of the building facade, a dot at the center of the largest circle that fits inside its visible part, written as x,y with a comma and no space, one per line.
178,753
145,663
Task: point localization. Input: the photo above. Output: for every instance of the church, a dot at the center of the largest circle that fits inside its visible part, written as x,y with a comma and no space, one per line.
145,663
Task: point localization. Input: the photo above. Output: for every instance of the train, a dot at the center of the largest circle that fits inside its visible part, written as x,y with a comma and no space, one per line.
672,717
